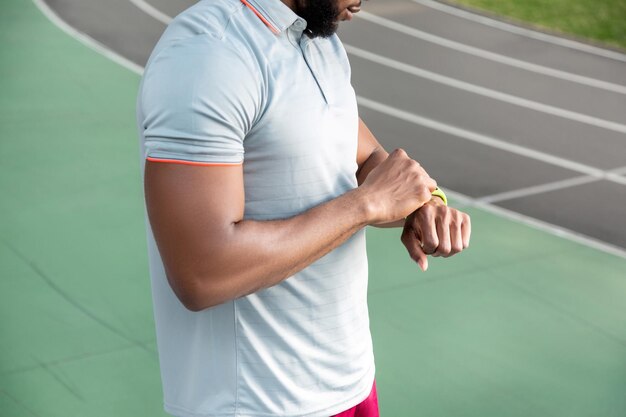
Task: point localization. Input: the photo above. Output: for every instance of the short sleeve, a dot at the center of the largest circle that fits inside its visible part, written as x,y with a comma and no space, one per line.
198,100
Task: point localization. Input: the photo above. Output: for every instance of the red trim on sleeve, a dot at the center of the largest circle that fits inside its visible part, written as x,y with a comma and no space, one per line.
183,162
269,25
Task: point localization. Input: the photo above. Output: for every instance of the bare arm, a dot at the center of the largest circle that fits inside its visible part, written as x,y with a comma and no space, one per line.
433,229
211,255
369,155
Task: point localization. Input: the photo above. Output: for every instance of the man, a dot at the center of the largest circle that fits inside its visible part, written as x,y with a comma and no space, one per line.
259,180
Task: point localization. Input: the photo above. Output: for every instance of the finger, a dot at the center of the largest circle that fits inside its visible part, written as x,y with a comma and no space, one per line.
466,230
412,244
456,234
443,231
428,182
423,195
431,184
425,226
398,152
422,258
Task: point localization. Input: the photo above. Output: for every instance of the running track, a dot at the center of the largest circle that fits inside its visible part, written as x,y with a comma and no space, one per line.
506,118
522,324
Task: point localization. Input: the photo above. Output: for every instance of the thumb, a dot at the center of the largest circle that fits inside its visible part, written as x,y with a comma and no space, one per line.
414,246
422,258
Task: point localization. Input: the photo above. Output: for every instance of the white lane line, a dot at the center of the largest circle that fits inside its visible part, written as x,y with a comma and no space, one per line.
498,211
615,175
620,179
164,18
584,240
483,91
152,11
85,39
533,34
484,139
492,56
612,175
538,189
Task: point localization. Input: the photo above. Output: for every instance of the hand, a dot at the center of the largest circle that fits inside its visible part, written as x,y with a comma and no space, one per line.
437,230
396,187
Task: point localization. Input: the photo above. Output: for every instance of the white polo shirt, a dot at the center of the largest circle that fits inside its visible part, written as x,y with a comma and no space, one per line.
235,82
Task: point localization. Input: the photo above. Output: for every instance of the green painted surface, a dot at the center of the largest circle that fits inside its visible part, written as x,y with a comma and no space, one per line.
521,324
77,331
599,20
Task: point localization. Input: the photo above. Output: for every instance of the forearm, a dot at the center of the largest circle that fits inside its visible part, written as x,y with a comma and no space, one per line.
211,254
254,255
375,159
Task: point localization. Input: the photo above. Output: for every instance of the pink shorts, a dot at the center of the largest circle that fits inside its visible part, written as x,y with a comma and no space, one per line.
367,408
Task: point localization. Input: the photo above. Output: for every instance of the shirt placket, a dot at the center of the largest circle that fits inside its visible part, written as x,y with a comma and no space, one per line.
304,43
312,60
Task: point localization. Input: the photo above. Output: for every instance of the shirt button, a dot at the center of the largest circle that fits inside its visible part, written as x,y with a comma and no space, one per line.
299,24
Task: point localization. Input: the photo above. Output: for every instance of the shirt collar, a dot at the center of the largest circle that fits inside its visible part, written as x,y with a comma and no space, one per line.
276,15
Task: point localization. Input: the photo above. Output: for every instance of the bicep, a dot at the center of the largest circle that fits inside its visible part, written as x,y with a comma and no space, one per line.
369,152
366,145
192,211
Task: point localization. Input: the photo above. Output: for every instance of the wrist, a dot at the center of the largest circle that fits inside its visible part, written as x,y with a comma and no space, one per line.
436,201
438,194
364,206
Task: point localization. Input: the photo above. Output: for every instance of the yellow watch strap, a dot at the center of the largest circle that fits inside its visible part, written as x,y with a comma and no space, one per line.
439,193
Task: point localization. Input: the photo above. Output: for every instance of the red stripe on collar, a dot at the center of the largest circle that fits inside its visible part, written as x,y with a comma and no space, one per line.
256,12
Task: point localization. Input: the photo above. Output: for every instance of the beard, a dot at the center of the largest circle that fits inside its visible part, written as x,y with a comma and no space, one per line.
321,17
